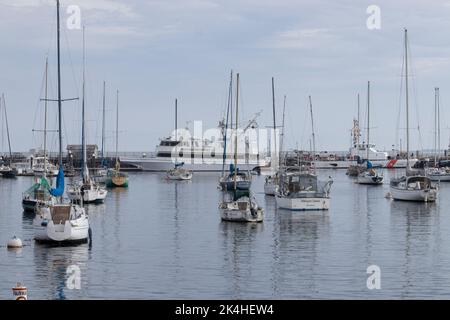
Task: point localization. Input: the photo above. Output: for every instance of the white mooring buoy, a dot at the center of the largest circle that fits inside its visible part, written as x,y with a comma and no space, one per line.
14,243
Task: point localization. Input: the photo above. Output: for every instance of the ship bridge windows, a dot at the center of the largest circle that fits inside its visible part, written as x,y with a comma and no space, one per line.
169,143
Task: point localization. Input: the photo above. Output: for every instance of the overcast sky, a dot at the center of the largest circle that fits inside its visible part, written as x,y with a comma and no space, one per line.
156,51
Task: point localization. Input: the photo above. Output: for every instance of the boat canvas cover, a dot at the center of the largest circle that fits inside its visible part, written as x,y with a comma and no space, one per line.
59,190
41,189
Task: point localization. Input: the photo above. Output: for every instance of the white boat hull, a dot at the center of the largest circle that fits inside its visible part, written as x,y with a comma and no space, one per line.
372,180
47,230
241,211
91,195
240,216
160,164
183,175
70,231
443,177
302,204
438,174
413,195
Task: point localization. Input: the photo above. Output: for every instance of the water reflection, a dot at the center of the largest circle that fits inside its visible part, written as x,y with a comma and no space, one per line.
413,222
162,239
239,246
51,265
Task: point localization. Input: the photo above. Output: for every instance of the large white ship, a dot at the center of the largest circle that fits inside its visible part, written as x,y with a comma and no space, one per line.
204,155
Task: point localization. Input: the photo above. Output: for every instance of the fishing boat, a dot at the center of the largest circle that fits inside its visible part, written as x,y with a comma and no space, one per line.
7,171
412,186
178,172
39,192
437,173
85,190
300,190
114,177
238,205
242,208
60,222
369,176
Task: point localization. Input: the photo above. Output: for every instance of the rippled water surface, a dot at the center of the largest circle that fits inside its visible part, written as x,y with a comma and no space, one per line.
160,240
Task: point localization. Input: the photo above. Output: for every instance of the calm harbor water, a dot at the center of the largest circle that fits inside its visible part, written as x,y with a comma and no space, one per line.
161,240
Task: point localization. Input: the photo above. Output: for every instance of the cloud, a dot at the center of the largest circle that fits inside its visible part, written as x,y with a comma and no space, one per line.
430,64
111,6
299,38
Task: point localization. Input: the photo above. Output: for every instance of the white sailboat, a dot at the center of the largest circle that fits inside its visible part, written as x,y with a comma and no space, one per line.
436,173
178,172
411,187
300,188
229,181
272,181
60,222
370,175
86,190
101,173
114,177
239,206
39,193
8,171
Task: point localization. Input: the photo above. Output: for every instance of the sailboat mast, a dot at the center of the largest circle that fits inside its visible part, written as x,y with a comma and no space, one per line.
438,123
368,121
45,117
7,129
117,128
407,99
274,153
176,119
436,126
103,123
357,138
83,128
176,129
230,101
282,131
59,84
312,128
236,133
